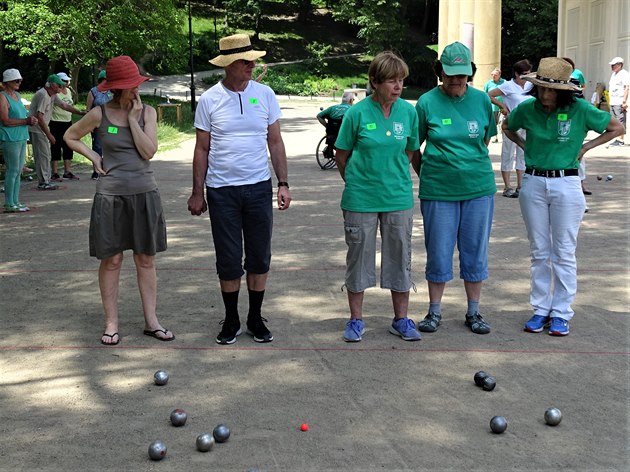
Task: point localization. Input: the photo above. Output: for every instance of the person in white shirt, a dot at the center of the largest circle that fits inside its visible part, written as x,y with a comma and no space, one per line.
513,91
618,88
240,117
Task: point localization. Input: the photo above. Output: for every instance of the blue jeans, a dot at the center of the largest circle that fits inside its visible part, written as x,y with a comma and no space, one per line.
466,223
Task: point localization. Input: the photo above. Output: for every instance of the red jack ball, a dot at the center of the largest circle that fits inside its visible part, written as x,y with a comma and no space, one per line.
304,427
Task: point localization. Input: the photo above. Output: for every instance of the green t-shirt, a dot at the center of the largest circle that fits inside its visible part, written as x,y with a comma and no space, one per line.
335,112
377,174
455,163
491,85
554,139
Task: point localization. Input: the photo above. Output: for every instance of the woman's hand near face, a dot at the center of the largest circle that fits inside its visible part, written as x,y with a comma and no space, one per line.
135,107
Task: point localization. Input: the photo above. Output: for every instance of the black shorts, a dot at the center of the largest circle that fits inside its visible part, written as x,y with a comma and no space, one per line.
241,218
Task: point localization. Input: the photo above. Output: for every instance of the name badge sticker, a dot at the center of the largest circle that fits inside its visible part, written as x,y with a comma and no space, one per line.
447,121
112,130
253,101
371,126
563,117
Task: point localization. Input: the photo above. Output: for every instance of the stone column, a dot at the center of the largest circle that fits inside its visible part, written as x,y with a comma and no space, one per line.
485,16
487,39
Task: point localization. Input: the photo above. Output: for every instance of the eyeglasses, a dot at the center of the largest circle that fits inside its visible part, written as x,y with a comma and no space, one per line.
245,62
17,80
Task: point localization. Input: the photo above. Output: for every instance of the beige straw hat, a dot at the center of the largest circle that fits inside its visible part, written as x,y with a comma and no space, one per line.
553,72
235,47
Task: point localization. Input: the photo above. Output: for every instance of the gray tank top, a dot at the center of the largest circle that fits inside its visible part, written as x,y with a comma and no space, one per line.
127,172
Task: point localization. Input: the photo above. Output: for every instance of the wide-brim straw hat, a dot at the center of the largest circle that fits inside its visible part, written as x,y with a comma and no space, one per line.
121,73
232,48
553,72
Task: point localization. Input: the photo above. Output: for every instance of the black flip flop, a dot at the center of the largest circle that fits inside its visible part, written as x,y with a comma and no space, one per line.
153,334
111,337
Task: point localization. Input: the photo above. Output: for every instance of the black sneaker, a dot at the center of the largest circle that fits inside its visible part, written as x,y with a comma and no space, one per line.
477,324
231,329
430,322
258,330
70,176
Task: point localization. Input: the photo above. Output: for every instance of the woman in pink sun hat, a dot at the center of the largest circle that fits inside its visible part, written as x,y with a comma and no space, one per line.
127,210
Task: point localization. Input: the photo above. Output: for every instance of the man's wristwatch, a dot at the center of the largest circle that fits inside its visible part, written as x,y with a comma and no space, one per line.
283,184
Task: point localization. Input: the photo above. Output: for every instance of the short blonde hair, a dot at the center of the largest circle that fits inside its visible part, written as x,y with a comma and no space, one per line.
386,66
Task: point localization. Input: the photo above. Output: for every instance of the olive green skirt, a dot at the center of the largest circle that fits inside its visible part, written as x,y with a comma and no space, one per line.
121,222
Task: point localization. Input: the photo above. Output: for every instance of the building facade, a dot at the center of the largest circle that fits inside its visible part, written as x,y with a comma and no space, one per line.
592,32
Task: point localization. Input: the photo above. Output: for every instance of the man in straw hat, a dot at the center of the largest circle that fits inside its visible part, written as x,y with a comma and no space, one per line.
241,118
551,199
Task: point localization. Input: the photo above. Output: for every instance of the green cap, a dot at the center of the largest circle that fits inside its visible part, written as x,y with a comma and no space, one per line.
55,79
102,75
456,59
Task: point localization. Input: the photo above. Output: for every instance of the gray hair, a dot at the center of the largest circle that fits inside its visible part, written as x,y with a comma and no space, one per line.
347,97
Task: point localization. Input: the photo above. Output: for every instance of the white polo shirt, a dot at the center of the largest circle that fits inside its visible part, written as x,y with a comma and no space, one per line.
238,124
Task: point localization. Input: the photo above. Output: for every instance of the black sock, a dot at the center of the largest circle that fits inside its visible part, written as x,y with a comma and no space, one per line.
230,300
255,304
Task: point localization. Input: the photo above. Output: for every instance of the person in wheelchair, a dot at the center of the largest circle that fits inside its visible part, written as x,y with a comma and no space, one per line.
331,118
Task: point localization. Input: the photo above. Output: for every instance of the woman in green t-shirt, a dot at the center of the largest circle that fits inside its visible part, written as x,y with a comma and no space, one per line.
381,132
456,184
551,200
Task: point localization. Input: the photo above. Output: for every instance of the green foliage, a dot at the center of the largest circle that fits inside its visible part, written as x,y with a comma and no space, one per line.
529,31
299,79
384,25
317,56
244,14
88,32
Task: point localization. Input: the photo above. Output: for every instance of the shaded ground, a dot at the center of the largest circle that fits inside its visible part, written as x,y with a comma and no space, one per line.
379,405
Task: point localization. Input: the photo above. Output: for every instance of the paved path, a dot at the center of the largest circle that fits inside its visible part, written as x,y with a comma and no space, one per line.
70,404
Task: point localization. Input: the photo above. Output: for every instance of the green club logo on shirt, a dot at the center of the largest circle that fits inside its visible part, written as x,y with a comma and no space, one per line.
446,121
112,130
371,126
253,101
563,117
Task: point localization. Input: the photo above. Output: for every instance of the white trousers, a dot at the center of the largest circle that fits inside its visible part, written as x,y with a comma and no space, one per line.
510,151
552,210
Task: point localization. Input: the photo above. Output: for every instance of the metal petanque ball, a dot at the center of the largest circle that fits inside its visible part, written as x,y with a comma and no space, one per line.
160,377
498,424
479,378
609,177
599,177
489,383
221,433
553,416
205,441
178,417
157,450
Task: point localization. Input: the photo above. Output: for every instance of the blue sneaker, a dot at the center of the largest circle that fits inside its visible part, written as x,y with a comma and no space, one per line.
559,327
406,329
536,324
354,331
